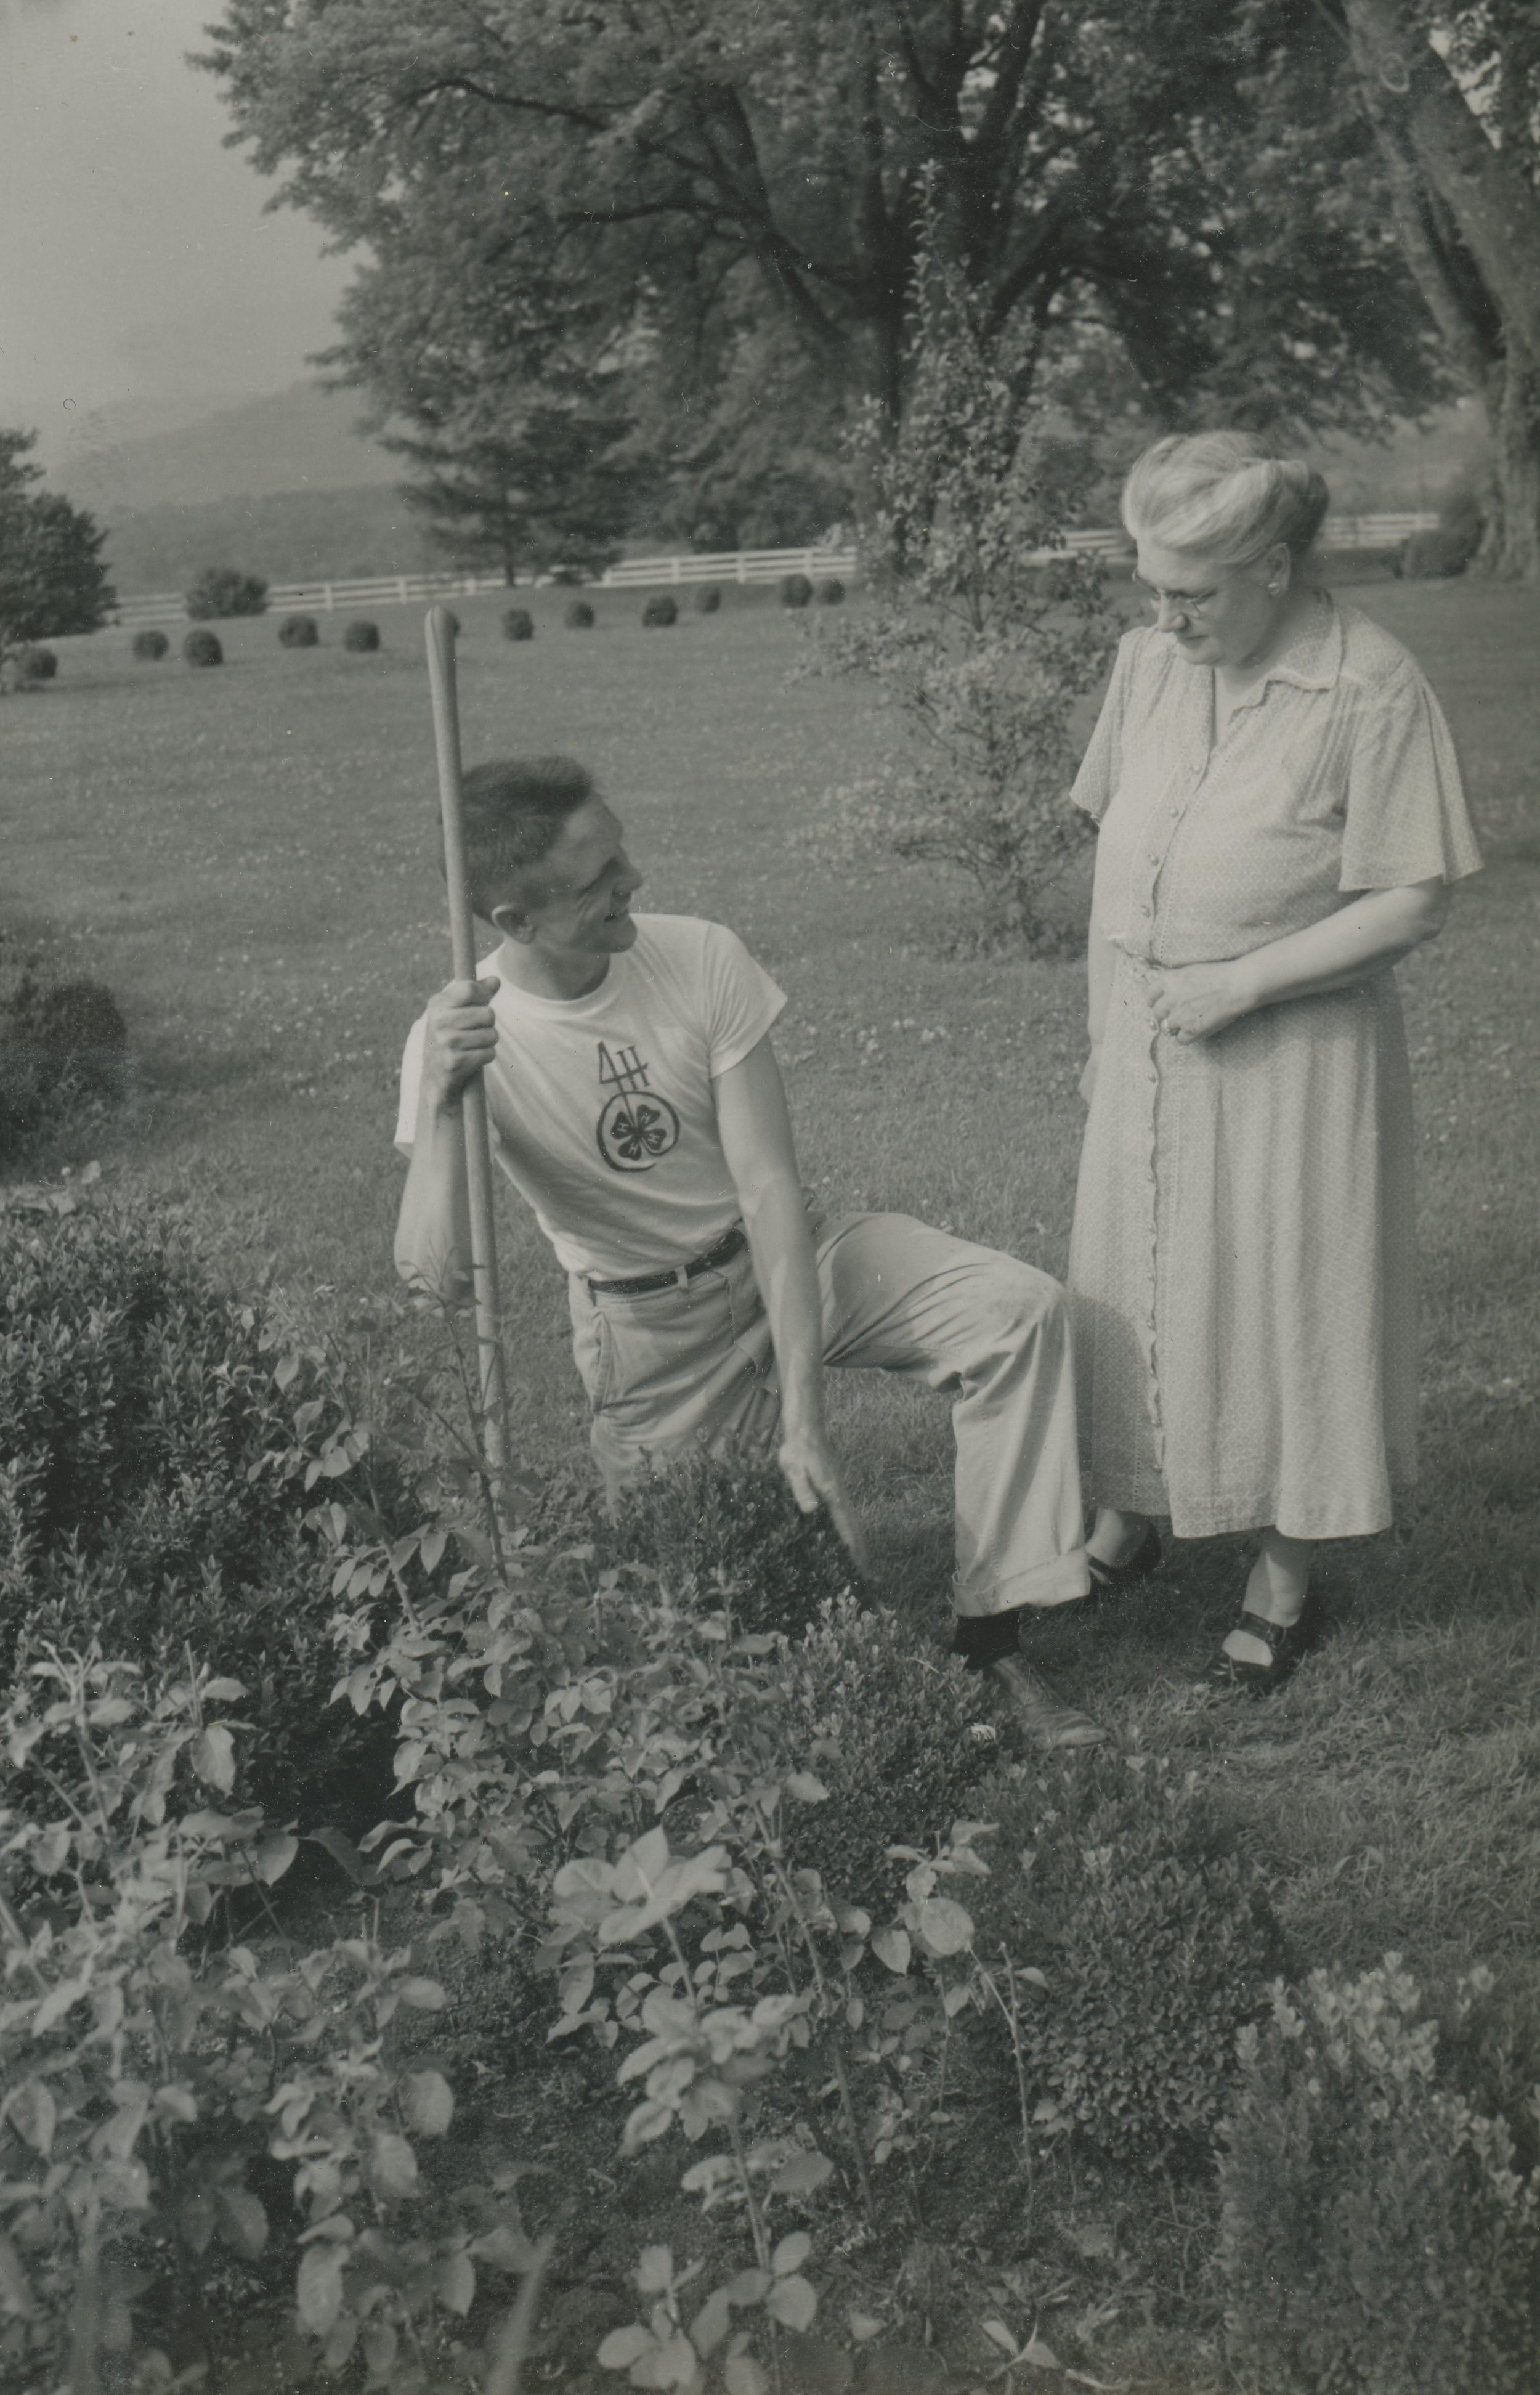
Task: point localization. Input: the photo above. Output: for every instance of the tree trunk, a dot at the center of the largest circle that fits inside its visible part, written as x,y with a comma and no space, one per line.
1510,547
1469,224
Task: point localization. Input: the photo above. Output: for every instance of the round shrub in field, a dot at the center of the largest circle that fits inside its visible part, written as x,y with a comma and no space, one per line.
708,599
151,646
60,1041
894,1733
518,625
452,621
139,1399
224,590
1438,556
796,591
202,648
1126,1887
37,664
299,633
661,610
830,593
362,637
579,617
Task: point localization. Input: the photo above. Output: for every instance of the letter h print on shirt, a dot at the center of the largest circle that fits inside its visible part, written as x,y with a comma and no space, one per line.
636,1126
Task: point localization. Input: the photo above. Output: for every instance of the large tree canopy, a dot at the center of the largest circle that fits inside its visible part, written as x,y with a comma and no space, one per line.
668,187
52,580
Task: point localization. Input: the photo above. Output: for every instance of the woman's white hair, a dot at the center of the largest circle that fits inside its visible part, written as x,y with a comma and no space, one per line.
1219,494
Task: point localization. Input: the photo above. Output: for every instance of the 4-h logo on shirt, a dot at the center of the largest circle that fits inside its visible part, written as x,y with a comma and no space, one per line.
636,1126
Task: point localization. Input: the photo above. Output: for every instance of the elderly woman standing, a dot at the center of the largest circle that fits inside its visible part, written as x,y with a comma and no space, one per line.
1280,818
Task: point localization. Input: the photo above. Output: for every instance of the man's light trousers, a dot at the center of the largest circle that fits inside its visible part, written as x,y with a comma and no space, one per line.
691,1365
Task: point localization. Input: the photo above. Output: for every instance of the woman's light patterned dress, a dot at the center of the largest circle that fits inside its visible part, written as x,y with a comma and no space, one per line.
1242,1263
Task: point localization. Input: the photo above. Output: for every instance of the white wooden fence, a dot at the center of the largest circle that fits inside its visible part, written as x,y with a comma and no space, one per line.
742,565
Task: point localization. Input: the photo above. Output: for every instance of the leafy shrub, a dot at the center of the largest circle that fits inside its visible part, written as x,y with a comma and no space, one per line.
578,617
892,1729
223,591
60,1041
796,591
830,593
713,1529
34,665
1437,556
452,621
983,653
518,625
141,1407
708,599
299,633
661,610
362,637
150,645
202,648
1155,1938
1375,2235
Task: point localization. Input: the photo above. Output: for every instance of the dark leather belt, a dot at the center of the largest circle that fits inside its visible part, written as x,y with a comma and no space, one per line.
730,1244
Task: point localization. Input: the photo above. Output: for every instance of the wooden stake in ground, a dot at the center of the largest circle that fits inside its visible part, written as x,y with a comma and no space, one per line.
439,630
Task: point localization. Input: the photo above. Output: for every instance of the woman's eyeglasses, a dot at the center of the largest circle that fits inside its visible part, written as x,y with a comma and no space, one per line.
1186,603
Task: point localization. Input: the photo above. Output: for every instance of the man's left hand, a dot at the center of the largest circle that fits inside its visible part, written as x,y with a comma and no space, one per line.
815,1479
1194,1001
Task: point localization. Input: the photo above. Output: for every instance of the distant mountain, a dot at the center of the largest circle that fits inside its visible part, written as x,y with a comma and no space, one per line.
289,441
285,537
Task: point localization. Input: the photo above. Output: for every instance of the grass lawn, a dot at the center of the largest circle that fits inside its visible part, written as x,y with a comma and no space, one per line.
246,857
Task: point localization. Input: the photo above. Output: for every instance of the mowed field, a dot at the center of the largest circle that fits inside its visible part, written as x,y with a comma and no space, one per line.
247,857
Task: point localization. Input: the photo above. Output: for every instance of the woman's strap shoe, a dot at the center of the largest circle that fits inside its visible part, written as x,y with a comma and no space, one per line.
1106,1579
1284,1649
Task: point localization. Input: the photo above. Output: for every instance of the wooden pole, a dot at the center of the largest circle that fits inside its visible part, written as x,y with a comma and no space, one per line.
439,633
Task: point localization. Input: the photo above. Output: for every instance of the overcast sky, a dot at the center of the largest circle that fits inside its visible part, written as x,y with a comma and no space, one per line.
136,261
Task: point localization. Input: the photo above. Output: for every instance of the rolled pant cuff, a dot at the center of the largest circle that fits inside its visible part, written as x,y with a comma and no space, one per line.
1058,1581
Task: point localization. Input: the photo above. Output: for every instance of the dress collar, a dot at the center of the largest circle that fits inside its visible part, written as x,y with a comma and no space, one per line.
1313,658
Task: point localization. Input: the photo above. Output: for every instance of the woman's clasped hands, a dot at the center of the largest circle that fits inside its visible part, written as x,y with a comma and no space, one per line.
1194,1001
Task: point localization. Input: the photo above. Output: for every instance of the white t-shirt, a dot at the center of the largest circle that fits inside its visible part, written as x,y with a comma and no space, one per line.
602,1111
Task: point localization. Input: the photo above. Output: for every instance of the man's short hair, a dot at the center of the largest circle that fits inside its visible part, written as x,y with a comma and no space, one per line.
514,811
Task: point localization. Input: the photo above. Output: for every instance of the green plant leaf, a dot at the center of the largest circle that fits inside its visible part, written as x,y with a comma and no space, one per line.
392,2165
212,1757
892,1947
243,2221
454,2282
792,2302
654,2271
427,2101
318,2289
744,2376
945,1926
791,2252
802,2174
624,2345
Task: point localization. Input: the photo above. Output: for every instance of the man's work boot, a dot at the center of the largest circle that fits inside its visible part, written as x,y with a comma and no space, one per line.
1049,1722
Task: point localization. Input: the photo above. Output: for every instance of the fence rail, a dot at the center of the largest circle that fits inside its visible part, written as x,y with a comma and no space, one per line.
741,565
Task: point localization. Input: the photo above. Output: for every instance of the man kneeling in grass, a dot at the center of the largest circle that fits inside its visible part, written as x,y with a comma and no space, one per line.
636,1103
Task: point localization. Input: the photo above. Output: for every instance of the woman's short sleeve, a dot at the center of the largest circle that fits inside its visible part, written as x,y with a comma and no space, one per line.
1097,777
1406,816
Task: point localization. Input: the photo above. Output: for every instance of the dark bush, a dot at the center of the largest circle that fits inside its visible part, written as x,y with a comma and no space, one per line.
893,1731
223,591
518,625
59,1042
1437,556
299,633
661,610
150,645
202,648
1124,1886
796,591
1379,2232
137,1400
706,1526
452,621
708,599
578,617
35,664
362,637
830,593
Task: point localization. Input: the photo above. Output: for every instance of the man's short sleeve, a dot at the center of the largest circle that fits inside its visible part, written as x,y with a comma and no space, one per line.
412,1072
741,999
